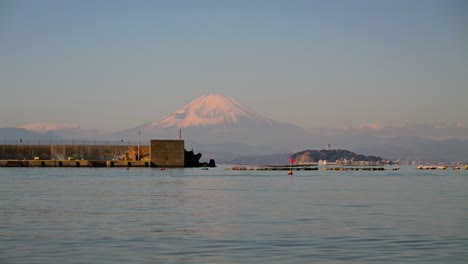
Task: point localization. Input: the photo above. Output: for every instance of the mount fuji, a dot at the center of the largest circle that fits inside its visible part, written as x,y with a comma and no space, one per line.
215,123
211,109
222,128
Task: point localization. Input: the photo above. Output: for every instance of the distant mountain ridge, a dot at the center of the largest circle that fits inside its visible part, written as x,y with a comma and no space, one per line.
14,133
415,148
226,130
62,130
272,159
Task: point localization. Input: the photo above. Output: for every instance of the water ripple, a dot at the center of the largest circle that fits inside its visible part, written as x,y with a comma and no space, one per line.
220,216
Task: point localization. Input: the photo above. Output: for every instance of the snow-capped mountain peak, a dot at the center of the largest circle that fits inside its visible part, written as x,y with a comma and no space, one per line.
63,130
209,109
40,127
218,119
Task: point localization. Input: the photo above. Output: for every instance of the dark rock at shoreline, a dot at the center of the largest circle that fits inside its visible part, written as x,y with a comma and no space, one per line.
192,160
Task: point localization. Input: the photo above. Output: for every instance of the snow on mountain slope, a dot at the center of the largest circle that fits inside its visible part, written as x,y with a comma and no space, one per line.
44,127
63,130
211,109
218,119
17,134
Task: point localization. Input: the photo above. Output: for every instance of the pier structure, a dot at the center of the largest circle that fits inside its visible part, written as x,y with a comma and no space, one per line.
72,149
440,167
273,167
354,168
158,153
72,163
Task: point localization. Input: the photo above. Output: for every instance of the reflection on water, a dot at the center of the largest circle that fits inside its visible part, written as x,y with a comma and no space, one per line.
187,215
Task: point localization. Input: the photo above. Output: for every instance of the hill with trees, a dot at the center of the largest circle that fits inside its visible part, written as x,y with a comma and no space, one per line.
305,156
331,155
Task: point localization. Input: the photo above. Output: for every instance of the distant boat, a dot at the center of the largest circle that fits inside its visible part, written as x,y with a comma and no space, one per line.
395,168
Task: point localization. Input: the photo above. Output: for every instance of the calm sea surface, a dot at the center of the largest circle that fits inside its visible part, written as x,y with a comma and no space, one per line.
141,215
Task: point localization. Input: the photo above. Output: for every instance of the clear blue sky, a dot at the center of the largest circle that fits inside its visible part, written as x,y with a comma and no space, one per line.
112,65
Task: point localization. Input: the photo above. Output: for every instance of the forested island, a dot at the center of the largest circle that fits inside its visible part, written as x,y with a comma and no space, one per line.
331,155
306,156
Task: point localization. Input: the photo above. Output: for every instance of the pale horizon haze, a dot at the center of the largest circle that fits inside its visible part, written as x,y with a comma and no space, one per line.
321,65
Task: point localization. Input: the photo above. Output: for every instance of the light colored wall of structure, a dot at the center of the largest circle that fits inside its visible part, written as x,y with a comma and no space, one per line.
167,153
76,151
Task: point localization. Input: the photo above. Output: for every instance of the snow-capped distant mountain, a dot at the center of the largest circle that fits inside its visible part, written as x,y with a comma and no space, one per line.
211,109
222,128
218,119
63,130
17,134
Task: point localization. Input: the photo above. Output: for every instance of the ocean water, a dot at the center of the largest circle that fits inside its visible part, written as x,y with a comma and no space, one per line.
142,215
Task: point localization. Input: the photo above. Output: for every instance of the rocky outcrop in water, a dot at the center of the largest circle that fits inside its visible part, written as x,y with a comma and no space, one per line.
192,160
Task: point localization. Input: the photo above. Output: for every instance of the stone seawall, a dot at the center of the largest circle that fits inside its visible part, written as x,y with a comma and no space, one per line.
73,163
73,152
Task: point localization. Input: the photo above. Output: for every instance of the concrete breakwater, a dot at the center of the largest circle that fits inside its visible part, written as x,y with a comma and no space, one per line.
73,152
273,167
158,153
73,163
